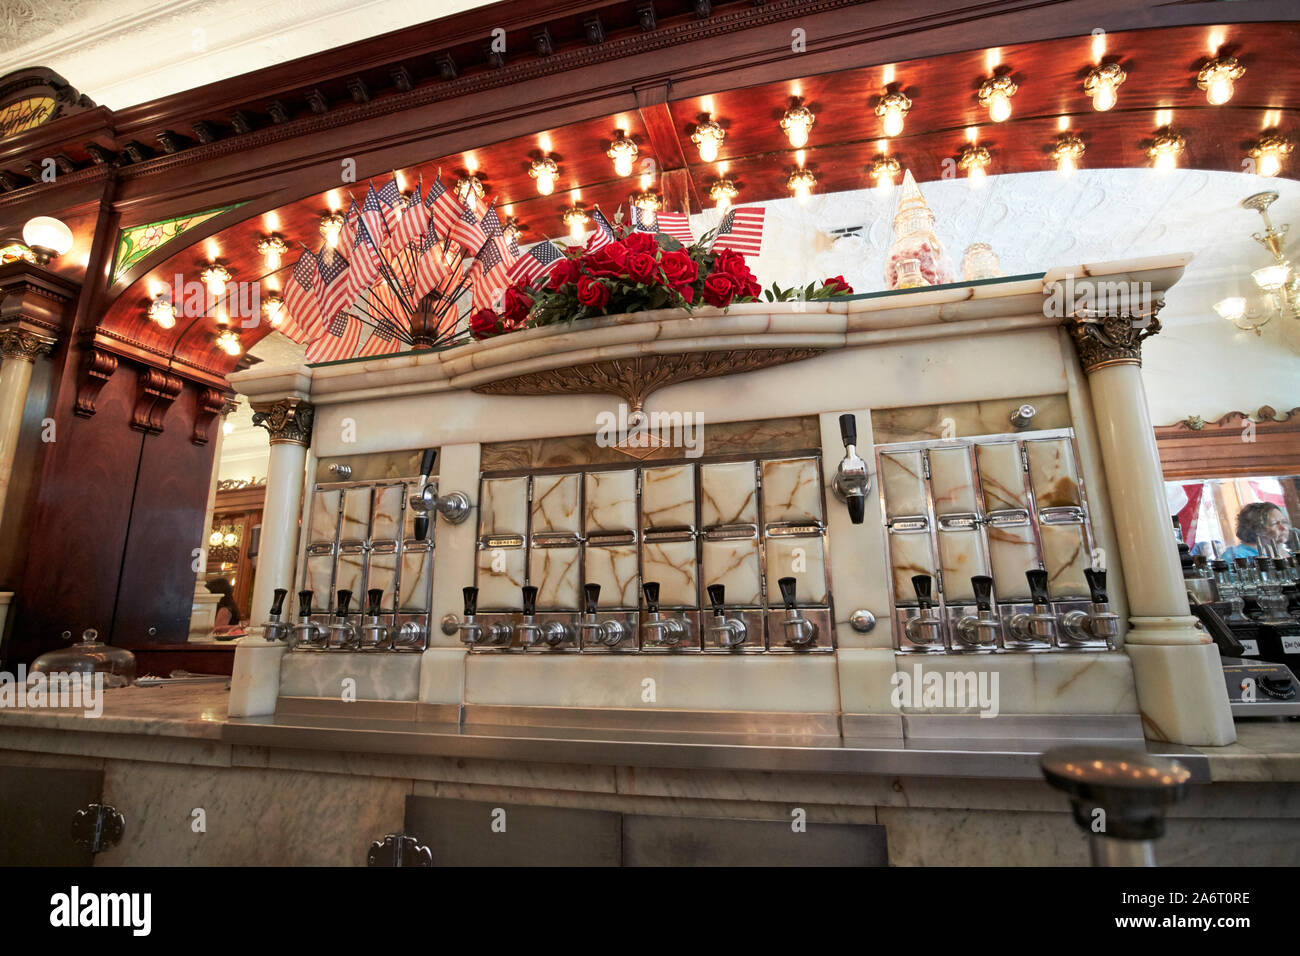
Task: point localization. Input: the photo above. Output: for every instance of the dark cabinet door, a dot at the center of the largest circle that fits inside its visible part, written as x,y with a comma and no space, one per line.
37,806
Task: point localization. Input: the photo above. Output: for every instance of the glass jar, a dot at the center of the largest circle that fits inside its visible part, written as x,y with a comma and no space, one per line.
88,656
915,242
980,262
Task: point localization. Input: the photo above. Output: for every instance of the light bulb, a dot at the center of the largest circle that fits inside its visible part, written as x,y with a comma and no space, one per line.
892,109
228,341
623,152
1268,152
1231,308
576,219
1272,278
995,93
999,107
274,307
214,539
47,237
1102,84
723,192
545,172
1269,164
1165,150
975,160
797,123
801,182
1219,91
1065,166
1217,77
331,227
883,171
708,136
162,312
976,175
215,277
1067,151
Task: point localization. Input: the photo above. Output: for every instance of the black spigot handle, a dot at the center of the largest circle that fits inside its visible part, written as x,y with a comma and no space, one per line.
1096,584
426,462
1241,564
982,584
717,597
277,601
857,505
375,596
530,600
849,429
471,600
922,584
345,598
421,527
591,597
1037,579
651,589
787,592
304,603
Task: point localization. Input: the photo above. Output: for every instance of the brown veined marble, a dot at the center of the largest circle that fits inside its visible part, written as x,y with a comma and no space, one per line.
965,419
1012,552
668,497
614,569
388,512
952,480
1002,476
554,572
961,556
1065,555
556,505
503,507
611,500
673,565
500,579
734,564
909,554
1052,471
801,559
791,490
729,494
902,480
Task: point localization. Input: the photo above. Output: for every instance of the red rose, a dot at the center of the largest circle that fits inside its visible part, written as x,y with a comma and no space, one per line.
750,289
719,290
681,272
838,286
592,292
642,243
732,263
608,262
563,272
515,307
485,323
642,268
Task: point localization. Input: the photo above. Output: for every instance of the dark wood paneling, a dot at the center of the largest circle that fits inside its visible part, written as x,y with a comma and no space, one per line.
159,660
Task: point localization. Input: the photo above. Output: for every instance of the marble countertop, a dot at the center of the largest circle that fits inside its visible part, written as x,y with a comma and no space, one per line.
1265,751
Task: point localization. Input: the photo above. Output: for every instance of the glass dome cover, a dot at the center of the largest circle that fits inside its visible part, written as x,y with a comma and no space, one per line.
89,656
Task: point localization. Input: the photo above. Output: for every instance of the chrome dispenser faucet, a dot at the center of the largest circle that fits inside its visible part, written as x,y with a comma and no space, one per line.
663,632
799,631
275,629
531,633
1099,622
454,507
982,628
342,635
307,633
730,631
608,633
1041,625
924,629
852,480
375,635
471,632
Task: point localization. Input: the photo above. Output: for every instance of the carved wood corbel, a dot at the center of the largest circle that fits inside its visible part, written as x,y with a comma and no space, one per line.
210,403
98,369
156,392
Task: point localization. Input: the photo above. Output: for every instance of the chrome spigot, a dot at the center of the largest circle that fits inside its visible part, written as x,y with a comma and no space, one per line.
608,633
375,634
980,629
1099,622
454,507
660,631
531,633
275,629
799,631
730,631
926,628
1040,625
342,635
471,632
852,480
307,633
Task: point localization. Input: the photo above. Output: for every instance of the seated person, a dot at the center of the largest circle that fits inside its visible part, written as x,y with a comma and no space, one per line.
227,610
1260,522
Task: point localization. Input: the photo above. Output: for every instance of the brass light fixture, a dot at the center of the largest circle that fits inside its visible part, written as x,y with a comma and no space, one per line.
331,227
723,192
797,123
623,152
228,341
215,277
649,203
1165,150
892,109
1066,153
1268,152
271,248
47,237
469,184
883,170
1217,77
708,136
273,306
975,161
162,312
576,218
995,95
545,172
1279,282
1102,84
801,182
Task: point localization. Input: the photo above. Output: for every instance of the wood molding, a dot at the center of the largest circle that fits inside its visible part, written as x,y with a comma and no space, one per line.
1236,445
156,390
98,369
209,404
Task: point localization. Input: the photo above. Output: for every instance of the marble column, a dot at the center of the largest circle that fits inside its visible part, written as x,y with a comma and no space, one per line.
1181,694
255,680
20,349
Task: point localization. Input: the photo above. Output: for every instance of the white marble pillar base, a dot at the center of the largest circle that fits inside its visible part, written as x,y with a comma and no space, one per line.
255,681
1181,693
204,615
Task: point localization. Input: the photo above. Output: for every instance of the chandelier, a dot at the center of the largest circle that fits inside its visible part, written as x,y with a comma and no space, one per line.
1278,282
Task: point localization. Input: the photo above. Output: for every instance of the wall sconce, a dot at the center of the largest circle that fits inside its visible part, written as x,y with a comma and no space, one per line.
331,227
467,184
649,203
1103,84
576,218
995,95
1165,150
162,312
975,161
1268,152
47,237
708,136
273,306
1066,154
272,248
883,171
228,342
215,277
1216,78
545,172
623,152
892,108
797,123
723,192
801,182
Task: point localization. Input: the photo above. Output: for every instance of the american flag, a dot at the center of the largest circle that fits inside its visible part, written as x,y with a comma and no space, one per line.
677,225
335,290
372,214
390,200
337,339
641,221
489,274
366,261
304,311
413,222
383,339
537,261
468,232
604,233
444,210
741,231
432,269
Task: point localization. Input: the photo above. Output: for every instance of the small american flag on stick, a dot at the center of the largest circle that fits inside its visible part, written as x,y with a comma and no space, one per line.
741,231
536,261
677,225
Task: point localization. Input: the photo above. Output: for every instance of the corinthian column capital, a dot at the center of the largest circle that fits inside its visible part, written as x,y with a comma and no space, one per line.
288,420
23,345
1115,339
